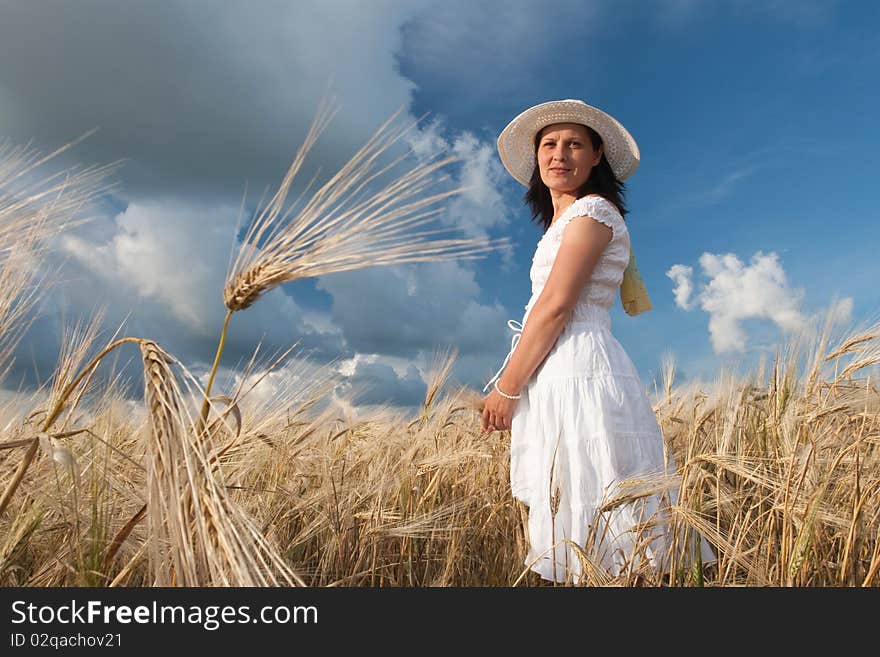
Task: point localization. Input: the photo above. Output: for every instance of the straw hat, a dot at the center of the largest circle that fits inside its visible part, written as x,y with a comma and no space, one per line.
516,143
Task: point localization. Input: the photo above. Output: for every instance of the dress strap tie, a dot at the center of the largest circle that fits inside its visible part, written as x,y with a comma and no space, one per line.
517,328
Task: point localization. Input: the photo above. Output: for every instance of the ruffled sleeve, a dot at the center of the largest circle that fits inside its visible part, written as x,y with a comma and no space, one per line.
601,210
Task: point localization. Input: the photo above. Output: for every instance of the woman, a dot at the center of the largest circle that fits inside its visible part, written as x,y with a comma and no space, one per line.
579,418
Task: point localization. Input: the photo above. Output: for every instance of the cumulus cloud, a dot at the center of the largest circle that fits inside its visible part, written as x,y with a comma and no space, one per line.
199,97
379,383
159,266
165,252
735,292
682,276
401,315
162,264
200,102
480,206
292,383
404,310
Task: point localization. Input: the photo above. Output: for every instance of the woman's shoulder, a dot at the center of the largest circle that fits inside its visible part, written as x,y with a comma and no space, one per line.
597,202
600,209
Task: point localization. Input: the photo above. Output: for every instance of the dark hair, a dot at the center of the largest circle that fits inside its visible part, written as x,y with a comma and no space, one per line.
602,181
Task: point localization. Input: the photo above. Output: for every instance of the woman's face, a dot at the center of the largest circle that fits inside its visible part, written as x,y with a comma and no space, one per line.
566,156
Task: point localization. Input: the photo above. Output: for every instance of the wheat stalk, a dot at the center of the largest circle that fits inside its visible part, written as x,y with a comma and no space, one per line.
198,536
44,204
33,207
345,224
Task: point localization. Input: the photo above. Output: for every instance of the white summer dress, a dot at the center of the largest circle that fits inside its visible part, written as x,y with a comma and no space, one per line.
584,422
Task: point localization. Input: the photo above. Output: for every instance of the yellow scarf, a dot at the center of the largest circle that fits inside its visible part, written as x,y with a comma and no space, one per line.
633,294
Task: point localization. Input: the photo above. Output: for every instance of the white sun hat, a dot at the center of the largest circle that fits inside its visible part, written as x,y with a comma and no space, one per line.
516,143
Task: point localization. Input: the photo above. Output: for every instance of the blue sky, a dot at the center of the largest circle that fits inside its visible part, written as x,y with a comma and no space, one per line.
755,120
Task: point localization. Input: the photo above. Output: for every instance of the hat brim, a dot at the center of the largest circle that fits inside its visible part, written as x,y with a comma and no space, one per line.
516,142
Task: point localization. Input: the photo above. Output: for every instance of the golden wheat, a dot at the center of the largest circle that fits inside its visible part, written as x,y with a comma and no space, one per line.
347,223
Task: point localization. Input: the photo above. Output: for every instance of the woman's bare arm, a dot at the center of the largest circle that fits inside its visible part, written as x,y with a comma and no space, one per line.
583,241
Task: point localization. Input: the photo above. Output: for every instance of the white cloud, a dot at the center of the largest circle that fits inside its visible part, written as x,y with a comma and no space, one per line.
201,96
682,275
428,141
480,206
378,383
293,382
162,264
736,292
165,261
164,251
402,310
397,317
227,99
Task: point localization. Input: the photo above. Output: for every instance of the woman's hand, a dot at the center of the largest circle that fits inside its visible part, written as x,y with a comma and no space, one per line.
497,412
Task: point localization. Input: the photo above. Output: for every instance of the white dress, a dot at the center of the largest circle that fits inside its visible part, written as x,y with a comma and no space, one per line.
584,423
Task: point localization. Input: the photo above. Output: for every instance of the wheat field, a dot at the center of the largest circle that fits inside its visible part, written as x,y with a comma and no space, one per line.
778,469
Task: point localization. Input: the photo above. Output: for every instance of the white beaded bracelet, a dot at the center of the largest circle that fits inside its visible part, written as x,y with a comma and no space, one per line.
504,394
